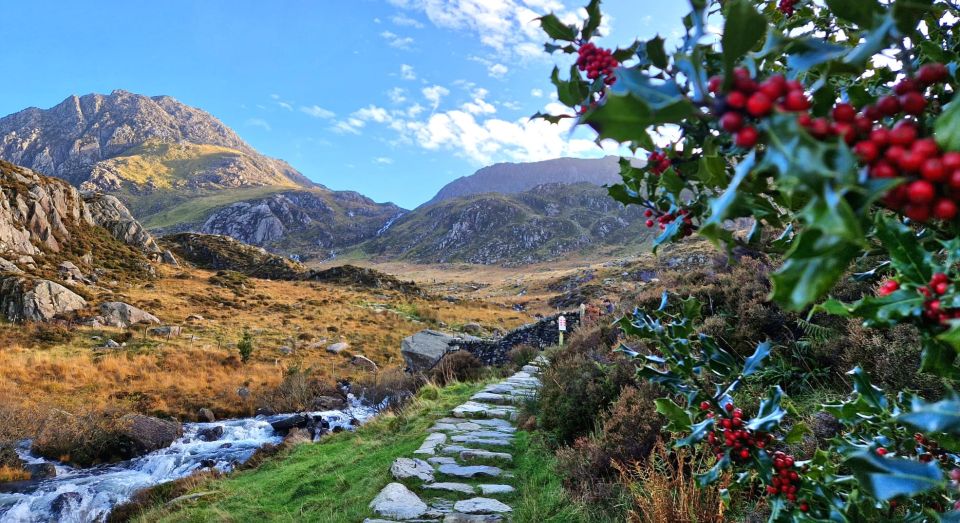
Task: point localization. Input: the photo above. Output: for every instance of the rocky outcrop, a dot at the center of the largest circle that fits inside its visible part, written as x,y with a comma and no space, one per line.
108,212
309,223
364,277
424,349
27,299
217,252
123,315
145,434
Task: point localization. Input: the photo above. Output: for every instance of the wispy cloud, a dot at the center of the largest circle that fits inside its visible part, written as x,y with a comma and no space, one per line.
397,41
405,21
397,95
536,93
407,72
434,94
259,122
497,70
317,112
383,160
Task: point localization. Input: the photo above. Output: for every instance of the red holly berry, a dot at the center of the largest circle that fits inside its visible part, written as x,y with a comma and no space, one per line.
759,105
946,210
913,103
881,451
747,137
867,151
796,101
933,170
920,192
731,121
844,113
930,74
888,105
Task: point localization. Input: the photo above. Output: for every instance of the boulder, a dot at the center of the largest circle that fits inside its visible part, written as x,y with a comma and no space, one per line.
210,433
405,468
398,502
25,299
364,362
110,344
146,434
481,506
337,348
285,350
40,471
424,349
120,314
472,328
194,318
167,331
206,415
64,504
67,270
9,457
329,403
295,421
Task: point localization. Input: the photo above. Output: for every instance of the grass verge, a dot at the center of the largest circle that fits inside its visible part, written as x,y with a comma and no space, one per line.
331,481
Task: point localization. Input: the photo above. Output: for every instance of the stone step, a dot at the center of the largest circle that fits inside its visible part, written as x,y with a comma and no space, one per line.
472,409
470,471
398,502
469,440
480,505
480,455
489,490
405,468
429,446
531,369
452,487
496,399
455,517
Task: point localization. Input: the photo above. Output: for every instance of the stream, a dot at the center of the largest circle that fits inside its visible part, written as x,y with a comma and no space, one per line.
88,494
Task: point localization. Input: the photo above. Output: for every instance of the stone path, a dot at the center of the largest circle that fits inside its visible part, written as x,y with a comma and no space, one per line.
464,464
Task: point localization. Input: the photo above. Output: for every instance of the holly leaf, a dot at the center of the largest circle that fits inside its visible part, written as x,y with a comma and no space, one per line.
556,29
754,362
861,12
812,266
697,433
678,417
743,29
570,92
770,413
946,128
712,171
908,14
887,478
552,118
625,118
907,256
656,53
942,416
593,19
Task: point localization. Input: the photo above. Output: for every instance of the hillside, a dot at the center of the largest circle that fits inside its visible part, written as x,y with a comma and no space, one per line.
181,169
543,224
511,178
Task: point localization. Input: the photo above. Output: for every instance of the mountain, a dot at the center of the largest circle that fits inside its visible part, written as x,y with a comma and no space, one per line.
545,223
511,178
181,169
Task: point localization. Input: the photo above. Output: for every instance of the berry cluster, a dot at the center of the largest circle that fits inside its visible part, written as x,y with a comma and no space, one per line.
754,100
597,62
932,450
786,7
932,307
786,478
665,219
730,433
933,189
658,162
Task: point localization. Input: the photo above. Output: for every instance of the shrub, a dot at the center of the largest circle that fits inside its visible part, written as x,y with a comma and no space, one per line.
522,355
576,388
52,333
392,385
297,391
663,490
457,366
890,356
628,433
245,346
83,439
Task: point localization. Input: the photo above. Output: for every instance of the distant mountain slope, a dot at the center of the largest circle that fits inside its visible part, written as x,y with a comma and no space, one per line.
510,178
180,169
545,223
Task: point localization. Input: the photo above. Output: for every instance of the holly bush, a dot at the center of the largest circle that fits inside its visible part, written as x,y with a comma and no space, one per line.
830,127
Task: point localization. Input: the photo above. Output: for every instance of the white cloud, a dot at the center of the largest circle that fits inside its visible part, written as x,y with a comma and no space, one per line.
372,113
376,20
317,112
259,122
507,27
405,21
479,105
407,73
285,105
395,40
397,95
383,160
345,128
434,94
497,70
536,93
275,96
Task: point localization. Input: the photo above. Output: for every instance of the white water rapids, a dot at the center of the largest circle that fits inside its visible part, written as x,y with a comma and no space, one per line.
87,495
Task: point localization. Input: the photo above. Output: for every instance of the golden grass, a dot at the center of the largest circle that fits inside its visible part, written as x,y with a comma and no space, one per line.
201,368
13,474
664,490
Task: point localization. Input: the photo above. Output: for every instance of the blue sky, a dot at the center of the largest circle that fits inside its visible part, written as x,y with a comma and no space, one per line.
391,98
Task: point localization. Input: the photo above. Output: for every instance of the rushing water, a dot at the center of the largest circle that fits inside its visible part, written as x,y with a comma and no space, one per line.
84,495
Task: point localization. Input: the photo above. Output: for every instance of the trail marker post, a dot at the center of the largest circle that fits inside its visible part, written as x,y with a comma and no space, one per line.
561,326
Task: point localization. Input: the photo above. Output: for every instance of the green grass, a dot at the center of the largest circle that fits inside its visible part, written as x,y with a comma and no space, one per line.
197,209
331,481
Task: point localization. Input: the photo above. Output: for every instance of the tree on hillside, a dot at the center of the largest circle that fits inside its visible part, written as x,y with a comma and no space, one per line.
245,345
832,126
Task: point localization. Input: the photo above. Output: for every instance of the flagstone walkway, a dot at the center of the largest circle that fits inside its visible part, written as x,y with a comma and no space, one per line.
462,472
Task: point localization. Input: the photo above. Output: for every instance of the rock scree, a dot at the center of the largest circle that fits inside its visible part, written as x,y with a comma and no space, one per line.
454,461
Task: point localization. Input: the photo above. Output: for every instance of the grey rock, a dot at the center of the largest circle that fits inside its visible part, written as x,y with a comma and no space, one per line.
147,434
397,501
469,440
441,460
25,299
488,490
41,470
451,487
206,415
329,403
108,212
489,397
474,329
456,517
9,267
285,350
481,455
110,344
210,433
472,471
120,314
404,468
167,331
423,350
429,446
337,348
481,506
67,270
